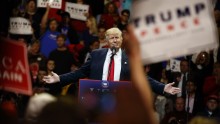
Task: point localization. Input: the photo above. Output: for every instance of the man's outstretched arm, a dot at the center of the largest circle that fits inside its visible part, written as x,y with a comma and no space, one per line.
160,88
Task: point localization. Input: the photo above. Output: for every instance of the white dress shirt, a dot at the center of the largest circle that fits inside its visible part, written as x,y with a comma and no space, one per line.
191,103
180,85
117,67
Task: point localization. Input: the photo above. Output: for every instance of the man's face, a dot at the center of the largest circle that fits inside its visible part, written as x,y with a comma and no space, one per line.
35,48
94,46
184,67
114,40
101,33
190,86
50,65
124,17
31,6
111,8
179,104
53,25
212,104
41,74
60,42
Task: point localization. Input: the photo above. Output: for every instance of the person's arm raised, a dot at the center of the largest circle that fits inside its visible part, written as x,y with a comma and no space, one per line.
138,77
44,20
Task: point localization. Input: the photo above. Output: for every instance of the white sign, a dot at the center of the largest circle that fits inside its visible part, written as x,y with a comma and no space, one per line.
174,65
77,11
173,28
52,3
19,25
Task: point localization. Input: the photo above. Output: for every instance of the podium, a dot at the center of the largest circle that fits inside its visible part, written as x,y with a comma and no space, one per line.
98,96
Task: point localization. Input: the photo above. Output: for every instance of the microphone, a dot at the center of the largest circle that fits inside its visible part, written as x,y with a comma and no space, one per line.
113,49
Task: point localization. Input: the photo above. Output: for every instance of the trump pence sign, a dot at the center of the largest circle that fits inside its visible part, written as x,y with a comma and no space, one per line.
172,28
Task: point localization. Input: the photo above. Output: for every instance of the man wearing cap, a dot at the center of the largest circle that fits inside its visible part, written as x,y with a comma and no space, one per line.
211,110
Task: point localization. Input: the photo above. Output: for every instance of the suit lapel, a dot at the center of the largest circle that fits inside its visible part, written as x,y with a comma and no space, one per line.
124,65
102,60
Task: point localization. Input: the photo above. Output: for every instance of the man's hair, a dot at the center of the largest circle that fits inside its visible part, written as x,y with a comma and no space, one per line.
113,31
51,20
62,36
101,27
93,41
125,11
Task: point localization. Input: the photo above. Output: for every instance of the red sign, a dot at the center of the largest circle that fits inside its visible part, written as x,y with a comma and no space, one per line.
14,69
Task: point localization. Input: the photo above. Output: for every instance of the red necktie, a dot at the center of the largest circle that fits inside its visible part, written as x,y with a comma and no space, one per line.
111,69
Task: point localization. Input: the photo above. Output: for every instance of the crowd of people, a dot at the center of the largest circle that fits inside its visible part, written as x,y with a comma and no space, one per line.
63,50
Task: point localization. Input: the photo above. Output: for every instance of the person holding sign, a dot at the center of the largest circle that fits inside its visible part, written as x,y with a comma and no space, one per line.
49,30
108,64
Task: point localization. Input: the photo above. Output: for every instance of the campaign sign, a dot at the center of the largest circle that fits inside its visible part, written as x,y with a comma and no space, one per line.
99,95
175,65
77,11
19,25
14,70
52,3
173,28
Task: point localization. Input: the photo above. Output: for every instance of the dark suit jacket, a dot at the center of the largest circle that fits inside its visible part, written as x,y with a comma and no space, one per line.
93,69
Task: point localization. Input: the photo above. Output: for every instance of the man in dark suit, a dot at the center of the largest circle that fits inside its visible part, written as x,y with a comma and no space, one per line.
98,66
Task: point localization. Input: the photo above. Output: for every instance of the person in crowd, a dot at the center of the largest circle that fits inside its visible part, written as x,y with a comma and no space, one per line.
124,18
34,54
110,17
212,83
50,67
35,58
34,16
8,113
184,68
179,77
202,66
65,110
211,110
80,25
39,85
53,89
54,12
179,115
35,106
61,56
101,37
66,29
193,102
90,33
50,32
85,54
105,70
